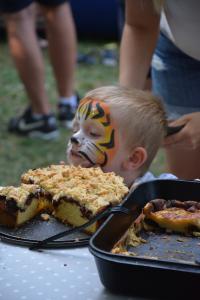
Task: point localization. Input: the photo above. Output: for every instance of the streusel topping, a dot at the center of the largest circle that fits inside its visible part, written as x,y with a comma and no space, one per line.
90,187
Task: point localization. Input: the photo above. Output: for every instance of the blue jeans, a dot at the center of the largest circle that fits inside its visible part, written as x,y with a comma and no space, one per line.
176,79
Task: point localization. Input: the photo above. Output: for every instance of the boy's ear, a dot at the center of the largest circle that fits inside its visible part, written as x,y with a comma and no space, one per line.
136,159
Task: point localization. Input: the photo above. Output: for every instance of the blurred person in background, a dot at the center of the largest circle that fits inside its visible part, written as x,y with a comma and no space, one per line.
166,34
38,120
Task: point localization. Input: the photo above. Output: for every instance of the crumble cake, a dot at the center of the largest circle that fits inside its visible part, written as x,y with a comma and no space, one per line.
73,194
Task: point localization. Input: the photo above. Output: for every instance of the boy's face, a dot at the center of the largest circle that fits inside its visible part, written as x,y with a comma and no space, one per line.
95,139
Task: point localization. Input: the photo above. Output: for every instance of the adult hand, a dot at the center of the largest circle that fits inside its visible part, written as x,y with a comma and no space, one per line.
189,136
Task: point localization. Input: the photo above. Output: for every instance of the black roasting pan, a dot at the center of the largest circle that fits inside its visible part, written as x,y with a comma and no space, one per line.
168,265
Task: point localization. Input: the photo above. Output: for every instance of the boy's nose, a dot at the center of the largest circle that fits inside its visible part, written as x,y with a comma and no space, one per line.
74,140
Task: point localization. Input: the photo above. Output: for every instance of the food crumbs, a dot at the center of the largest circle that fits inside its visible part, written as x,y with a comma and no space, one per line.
45,217
180,240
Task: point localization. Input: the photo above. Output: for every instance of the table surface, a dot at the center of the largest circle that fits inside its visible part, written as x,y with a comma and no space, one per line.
50,275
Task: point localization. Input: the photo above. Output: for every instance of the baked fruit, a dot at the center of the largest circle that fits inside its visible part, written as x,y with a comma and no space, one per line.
174,215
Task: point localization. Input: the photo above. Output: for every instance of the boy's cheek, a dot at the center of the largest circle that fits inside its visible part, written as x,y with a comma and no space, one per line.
111,168
115,162
110,164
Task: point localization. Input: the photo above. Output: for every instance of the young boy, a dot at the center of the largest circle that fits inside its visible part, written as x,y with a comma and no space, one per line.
119,130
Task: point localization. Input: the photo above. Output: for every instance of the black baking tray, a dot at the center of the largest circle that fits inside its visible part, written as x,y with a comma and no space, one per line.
161,268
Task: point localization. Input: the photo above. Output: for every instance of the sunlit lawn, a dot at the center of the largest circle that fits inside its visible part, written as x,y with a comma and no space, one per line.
18,154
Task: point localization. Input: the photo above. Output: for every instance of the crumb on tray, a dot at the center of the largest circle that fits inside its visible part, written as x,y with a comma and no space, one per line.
45,217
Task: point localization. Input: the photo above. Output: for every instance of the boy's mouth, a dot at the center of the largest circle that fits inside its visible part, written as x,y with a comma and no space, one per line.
85,156
75,154
80,158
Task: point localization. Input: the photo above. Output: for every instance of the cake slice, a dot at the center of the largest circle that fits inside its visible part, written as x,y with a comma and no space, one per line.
20,204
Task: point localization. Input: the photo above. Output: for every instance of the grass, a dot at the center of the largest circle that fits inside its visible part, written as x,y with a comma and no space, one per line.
17,154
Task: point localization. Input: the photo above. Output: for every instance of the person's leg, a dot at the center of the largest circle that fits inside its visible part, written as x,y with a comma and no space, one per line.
62,48
176,78
27,56
36,121
62,45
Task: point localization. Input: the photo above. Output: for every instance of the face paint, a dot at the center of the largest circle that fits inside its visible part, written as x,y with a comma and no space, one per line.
95,137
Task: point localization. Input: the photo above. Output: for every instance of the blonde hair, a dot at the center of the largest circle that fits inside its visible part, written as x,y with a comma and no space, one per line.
139,114
158,5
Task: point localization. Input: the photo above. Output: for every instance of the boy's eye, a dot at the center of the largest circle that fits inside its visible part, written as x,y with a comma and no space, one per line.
94,134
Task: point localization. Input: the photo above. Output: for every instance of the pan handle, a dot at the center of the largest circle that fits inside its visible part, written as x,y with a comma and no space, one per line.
173,129
111,210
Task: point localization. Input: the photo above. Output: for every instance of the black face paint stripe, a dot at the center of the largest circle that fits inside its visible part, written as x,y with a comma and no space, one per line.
100,113
87,157
107,123
89,108
80,106
111,143
84,110
105,161
99,150
78,111
102,152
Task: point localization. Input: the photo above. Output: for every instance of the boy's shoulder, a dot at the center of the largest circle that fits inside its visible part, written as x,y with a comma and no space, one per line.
148,176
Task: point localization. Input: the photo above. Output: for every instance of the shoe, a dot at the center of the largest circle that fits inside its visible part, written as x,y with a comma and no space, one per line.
109,58
66,113
88,59
44,127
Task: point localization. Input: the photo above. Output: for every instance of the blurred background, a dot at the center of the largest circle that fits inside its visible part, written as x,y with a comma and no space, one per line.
99,25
